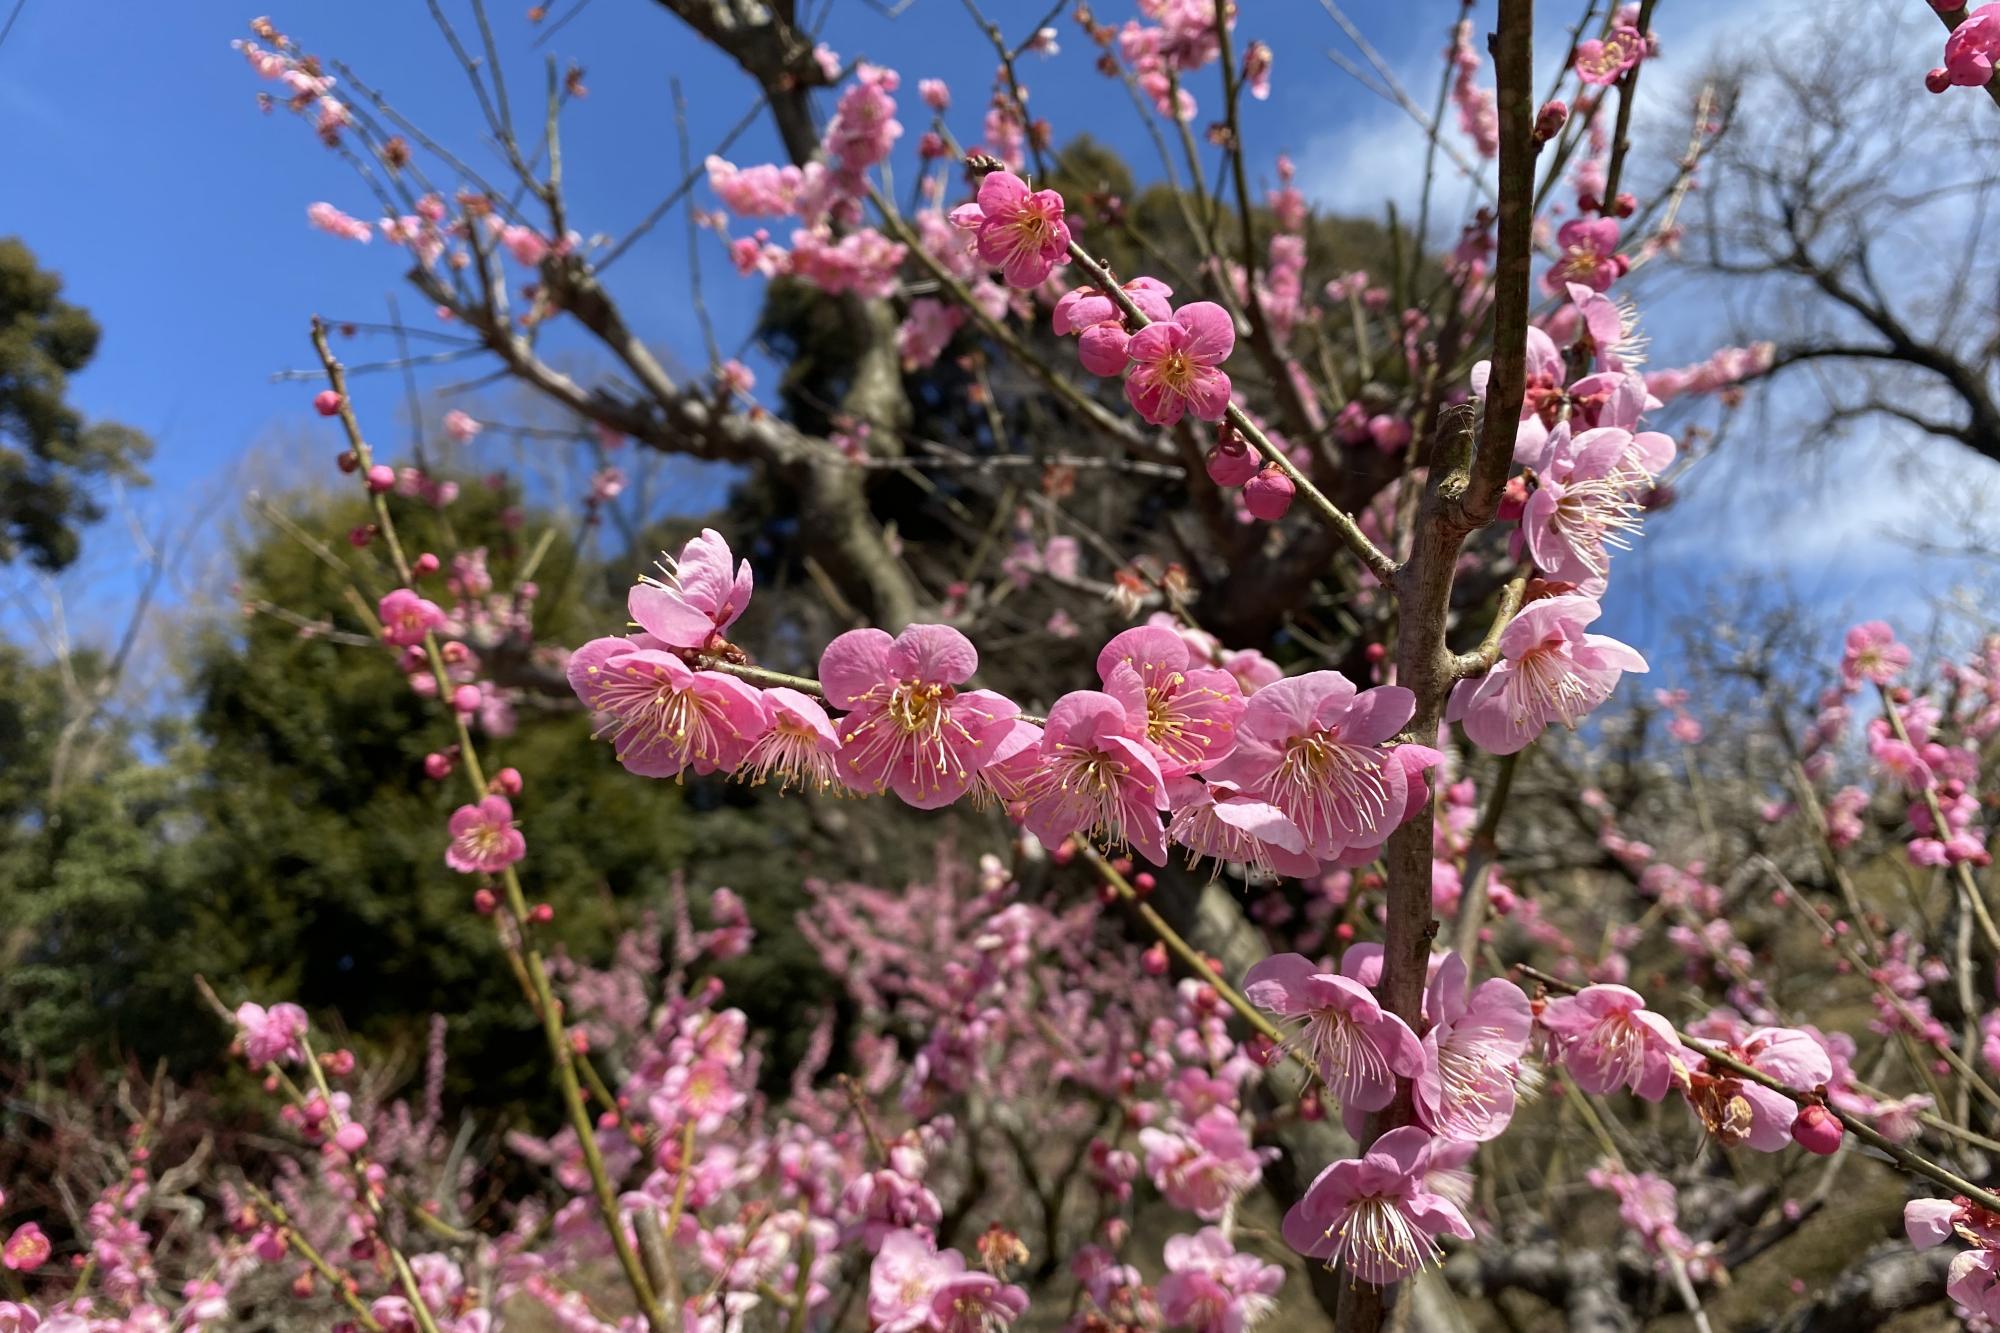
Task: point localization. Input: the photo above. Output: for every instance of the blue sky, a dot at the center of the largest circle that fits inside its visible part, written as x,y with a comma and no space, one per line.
141,169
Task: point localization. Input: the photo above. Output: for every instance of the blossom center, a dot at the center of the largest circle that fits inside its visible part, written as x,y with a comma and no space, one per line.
1321,777
1548,687
1177,370
1379,1241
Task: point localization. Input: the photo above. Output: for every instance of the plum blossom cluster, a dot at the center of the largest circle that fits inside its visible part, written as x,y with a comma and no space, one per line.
471,620
1181,743
1969,50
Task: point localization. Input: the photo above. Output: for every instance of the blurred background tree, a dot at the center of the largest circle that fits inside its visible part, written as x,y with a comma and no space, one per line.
50,457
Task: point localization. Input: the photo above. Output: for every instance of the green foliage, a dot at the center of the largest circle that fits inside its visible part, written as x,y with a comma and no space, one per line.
48,453
285,843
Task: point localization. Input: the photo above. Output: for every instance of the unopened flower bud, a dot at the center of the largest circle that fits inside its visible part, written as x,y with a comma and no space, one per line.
1817,1130
350,1138
381,477
465,699
1550,120
1154,961
327,403
508,782
425,564
1232,462
1268,495
483,902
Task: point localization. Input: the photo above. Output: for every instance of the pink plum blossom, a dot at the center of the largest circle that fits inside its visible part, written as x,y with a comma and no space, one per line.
483,837
696,598
1607,1039
1588,254
1204,1166
663,716
460,426
1210,1288
864,125
909,728
1549,671
1176,365
798,747
1214,819
1971,50
973,1302
1190,711
528,246
1873,655
1583,504
1602,62
1472,1052
1021,232
1375,1214
1794,1058
336,223
271,1035
1094,777
1314,747
1973,1282
407,617
907,1271
1359,1048
26,1250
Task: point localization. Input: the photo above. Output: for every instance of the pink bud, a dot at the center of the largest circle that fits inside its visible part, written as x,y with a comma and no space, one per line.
350,1138
361,536
425,564
541,914
1937,80
437,766
1818,1131
381,477
483,902
1268,495
327,403
1232,462
508,782
1154,960
466,698
1550,120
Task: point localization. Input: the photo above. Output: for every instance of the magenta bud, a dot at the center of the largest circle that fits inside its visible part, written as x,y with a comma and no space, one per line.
381,477
327,403
1818,1130
1550,119
1268,495
1232,462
